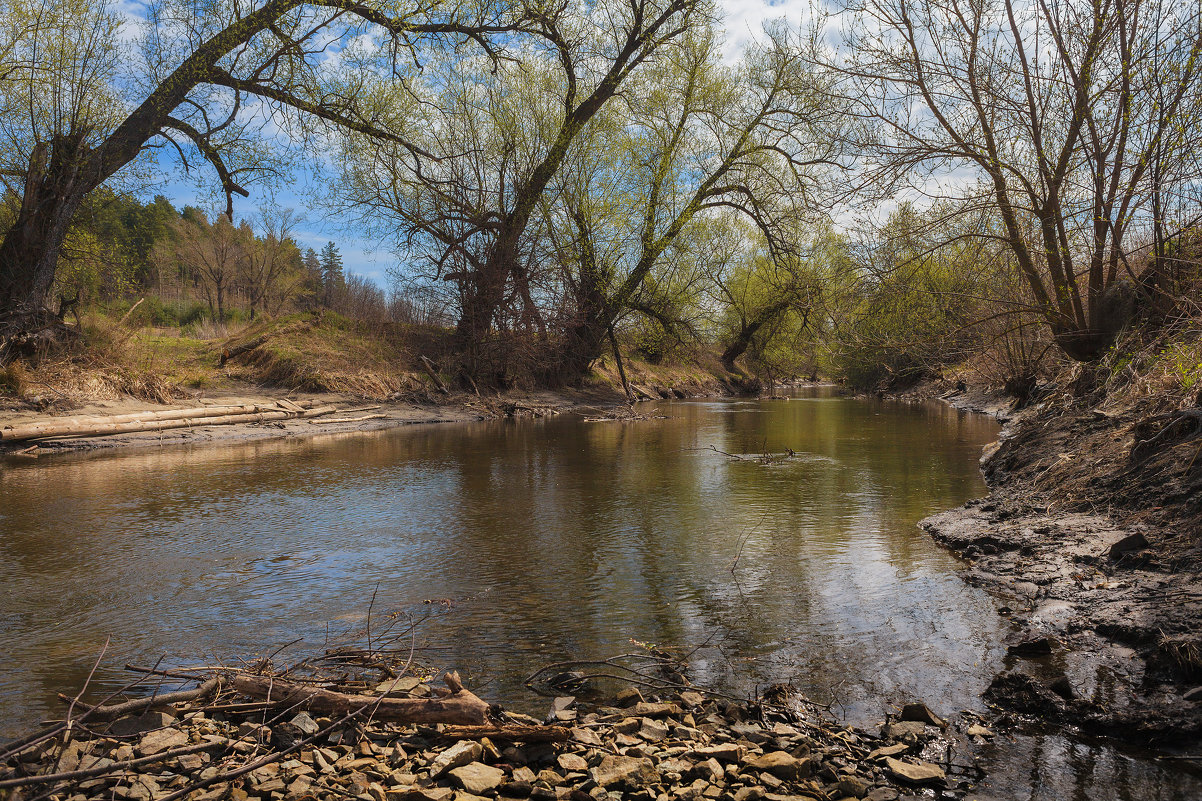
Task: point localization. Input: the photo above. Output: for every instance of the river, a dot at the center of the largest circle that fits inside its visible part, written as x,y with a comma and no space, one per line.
521,543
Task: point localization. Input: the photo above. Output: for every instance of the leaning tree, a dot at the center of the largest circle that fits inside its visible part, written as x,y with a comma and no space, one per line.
81,101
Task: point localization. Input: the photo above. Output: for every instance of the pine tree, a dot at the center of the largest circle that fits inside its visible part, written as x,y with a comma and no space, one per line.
332,278
312,265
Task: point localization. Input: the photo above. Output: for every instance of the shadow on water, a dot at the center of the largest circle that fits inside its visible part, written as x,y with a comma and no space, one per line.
540,541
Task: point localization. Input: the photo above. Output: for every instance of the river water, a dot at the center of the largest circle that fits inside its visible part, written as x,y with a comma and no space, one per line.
522,543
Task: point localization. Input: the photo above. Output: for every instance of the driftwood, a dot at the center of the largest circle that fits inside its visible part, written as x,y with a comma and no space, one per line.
62,426
430,371
509,734
351,419
458,707
142,704
154,421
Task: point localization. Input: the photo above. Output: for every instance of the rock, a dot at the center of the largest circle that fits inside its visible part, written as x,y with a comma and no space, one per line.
139,724
921,713
402,686
1031,645
190,763
624,772
550,777
781,764
649,710
1063,687
752,793
1132,543
725,752
585,737
421,794
977,730
164,740
915,772
853,786
478,778
692,699
628,697
627,726
458,755
561,709
903,730
572,763
889,750
307,725
653,730
1194,695
709,770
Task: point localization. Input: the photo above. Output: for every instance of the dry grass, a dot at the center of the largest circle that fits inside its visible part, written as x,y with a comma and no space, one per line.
326,353
1184,653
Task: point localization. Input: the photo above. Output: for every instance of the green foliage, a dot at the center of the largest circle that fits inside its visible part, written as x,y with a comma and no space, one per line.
1183,363
913,308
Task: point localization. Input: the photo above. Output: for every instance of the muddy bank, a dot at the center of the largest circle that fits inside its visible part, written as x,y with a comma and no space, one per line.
640,745
1095,561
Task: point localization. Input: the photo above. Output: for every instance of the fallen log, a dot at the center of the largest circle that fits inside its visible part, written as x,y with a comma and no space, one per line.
238,350
351,419
430,371
61,426
108,428
509,734
458,707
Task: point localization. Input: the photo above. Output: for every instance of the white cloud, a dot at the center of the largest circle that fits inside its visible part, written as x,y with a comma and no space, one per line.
744,19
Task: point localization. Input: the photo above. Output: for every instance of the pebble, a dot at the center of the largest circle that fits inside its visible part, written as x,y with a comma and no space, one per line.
651,749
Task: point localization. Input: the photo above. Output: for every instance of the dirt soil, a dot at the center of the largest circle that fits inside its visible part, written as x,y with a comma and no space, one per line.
1091,543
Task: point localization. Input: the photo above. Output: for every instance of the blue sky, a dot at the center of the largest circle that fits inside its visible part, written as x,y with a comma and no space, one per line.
744,20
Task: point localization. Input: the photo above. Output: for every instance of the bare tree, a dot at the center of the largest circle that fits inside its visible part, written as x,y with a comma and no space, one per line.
473,207
214,255
272,271
1065,117
208,69
704,140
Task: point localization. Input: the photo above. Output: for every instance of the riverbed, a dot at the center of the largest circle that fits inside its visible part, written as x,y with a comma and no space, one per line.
773,541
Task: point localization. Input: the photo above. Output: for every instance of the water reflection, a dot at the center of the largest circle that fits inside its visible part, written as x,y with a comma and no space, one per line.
550,539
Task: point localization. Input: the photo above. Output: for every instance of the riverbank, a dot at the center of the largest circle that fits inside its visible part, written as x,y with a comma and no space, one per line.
374,379
349,413
649,745
1090,539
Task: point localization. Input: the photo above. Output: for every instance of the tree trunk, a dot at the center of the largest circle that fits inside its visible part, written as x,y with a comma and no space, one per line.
29,251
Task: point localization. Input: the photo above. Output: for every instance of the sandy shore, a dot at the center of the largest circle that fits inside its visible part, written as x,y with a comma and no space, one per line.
457,408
